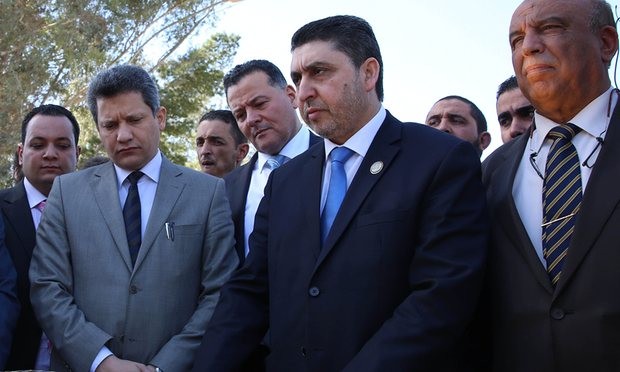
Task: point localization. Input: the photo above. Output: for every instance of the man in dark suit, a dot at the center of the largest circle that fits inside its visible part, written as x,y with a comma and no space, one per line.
389,280
48,148
264,106
9,304
130,254
554,278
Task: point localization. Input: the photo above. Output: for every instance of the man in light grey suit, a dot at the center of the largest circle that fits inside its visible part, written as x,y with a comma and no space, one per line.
107,303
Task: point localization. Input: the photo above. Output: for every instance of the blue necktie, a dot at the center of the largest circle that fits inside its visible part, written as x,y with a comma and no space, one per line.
337,189
131,214
276,161
561,198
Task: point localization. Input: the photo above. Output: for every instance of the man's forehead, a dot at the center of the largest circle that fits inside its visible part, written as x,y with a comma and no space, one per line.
315,52
213,127
512,97
250,88
534,11
451,106
45,123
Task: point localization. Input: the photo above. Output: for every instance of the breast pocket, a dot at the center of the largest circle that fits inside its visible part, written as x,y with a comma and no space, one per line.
375,218
187,230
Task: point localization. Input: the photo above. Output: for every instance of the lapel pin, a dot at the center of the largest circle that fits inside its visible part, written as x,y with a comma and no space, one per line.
376,167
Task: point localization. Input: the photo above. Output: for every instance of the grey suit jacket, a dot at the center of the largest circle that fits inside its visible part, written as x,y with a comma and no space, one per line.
85,292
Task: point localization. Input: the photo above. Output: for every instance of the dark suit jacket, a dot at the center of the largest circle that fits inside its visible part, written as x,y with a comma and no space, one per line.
395,284
20,240
575,327
237,186
9,305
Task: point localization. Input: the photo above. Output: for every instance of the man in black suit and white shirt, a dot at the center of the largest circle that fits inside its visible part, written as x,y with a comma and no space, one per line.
553,274
48,148
264,107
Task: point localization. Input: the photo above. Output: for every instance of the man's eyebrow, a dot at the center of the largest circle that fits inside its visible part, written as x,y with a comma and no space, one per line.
504,115
455,116
435,116
525,110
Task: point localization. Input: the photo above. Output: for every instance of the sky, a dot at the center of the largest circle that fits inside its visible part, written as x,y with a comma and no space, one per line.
430,48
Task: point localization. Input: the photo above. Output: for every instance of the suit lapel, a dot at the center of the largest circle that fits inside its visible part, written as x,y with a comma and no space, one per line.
599,201
383,148
169,189
311,181
17,213
105,190
507,214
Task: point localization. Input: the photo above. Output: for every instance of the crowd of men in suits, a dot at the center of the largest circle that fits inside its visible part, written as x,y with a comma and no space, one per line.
366,244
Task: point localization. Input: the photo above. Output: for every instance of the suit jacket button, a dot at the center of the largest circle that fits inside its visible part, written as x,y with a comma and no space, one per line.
557,314
314,291
133,289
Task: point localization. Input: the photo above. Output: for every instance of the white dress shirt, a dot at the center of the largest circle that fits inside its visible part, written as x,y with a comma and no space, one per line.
527,188
260,174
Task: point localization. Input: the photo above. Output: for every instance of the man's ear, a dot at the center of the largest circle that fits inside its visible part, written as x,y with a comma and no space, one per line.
370,73
160,115
242,152
484,139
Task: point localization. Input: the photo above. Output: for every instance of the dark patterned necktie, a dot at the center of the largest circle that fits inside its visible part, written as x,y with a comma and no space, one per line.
561,198
131,214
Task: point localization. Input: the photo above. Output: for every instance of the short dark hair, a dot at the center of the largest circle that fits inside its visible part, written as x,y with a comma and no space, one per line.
350,35
508,84
227,117
481,122
123,79
276,78
51,110
601,15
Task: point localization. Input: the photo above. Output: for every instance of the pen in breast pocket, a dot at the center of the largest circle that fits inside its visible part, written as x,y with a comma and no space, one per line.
170,231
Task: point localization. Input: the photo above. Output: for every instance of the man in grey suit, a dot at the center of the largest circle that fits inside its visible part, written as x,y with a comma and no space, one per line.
116,291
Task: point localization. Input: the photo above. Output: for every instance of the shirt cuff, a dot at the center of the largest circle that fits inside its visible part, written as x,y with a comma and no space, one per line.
103,353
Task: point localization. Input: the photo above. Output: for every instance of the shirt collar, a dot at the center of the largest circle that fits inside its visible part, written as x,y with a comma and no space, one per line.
34,196
361,140
295,146
592,119
151,169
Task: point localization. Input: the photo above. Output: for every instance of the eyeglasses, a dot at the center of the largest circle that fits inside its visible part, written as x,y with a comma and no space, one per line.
586,163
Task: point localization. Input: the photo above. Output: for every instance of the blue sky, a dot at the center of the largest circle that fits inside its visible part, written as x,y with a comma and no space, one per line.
430,48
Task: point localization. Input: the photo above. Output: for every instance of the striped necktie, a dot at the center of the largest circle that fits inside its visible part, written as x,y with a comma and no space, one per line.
131,214
561,198
276,161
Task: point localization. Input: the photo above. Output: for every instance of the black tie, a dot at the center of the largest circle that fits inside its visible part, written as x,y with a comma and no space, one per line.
131,215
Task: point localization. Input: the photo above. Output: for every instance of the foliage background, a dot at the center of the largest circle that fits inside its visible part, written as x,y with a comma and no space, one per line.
49,51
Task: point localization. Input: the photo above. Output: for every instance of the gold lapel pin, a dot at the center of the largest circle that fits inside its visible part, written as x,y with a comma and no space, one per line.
376,167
